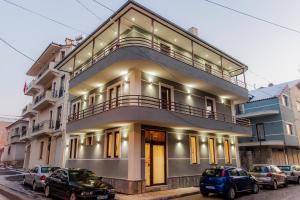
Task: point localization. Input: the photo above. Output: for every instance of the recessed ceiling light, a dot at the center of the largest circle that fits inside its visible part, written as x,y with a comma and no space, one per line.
155,30
133,19
206,56
175,40
101,44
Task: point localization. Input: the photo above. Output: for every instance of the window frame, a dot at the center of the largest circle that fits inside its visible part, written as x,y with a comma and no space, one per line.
73,147
212,160
115,150
285,100
196,150
264,132
41,150
93,95
87,140
289,128
227,155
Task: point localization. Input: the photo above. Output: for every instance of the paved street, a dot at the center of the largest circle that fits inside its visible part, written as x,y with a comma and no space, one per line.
11,180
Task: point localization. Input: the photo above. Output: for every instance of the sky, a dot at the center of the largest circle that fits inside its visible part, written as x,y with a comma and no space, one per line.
271,53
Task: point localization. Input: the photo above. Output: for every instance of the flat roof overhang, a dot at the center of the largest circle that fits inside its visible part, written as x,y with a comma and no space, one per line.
259,113
157,64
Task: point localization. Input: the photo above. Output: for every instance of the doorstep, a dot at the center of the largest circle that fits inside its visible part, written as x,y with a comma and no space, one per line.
161,195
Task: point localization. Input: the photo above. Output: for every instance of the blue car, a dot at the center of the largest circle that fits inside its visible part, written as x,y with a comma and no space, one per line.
227,181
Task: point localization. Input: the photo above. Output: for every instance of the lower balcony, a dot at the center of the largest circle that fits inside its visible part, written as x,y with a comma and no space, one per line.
47,75
43,128
153,111
28,111
31,89
44,100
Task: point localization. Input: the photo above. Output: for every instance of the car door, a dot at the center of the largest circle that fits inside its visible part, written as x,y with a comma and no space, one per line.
245,179
32,175
62,183
28,176
280,176
53,183
235,179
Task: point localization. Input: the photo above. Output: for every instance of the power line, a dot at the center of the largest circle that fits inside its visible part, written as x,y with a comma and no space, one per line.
103,5
17,50
89,10
44,16
254,17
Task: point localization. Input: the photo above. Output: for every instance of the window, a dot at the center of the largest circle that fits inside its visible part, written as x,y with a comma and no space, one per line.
24,129
91,99
117,144
289,129
212,151
298,106
260,131
89,141
227,151
41,149
113,142
285,100
210,107
109,150
73,148
240,109
243,173
193,150
233,172
8,152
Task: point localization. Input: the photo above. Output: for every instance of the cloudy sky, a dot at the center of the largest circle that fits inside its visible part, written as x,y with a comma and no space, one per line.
271,53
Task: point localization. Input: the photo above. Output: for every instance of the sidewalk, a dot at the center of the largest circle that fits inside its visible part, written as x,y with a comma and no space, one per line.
161,195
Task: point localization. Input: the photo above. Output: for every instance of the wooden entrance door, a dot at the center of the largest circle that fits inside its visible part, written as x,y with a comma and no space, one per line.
155,158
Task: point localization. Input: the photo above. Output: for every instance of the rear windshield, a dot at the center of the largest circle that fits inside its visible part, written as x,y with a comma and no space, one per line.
285,168
213,172
45,170
259,169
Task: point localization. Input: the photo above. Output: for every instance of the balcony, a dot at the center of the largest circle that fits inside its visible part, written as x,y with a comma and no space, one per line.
32,88
46,75
145,109
28,111
45,127
44,100
24,135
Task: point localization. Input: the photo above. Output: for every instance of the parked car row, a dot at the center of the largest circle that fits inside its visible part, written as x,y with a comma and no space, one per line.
229,181
73,184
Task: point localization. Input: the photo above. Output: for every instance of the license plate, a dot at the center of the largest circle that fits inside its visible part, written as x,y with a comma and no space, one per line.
102,197
210,187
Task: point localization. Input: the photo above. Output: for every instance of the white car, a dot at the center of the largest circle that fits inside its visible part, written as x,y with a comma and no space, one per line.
292,172
36,176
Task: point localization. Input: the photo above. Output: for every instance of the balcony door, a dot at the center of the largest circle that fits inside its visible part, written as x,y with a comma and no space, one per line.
76,109
114,94
210,107
155,158
166,96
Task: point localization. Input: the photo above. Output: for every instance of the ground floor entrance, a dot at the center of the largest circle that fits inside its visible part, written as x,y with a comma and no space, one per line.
155,158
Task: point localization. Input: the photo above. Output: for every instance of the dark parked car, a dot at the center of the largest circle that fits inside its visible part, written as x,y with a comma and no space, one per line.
76,184
269,175
227,181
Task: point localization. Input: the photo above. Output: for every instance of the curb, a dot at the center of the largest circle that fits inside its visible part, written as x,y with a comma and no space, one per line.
11,194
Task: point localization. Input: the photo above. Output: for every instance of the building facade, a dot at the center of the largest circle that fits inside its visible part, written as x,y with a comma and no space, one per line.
13,153
47,111
3,136
151,105
274,114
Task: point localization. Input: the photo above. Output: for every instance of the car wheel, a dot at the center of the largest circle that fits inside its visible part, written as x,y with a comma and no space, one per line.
34,186
275,186
47,191
230,194
286,183
255,188
205,194
73,196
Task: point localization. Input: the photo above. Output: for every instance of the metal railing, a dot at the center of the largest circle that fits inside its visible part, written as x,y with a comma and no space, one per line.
46,94
44,125
151,102
176,54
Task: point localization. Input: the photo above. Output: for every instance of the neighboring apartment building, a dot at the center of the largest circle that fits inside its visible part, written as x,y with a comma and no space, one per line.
13,153
151,104
274,112
47,111
3,136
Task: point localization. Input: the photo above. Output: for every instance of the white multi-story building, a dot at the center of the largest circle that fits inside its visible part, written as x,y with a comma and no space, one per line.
46,113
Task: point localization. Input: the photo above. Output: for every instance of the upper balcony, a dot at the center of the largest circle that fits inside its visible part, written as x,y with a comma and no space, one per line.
27,111
45,77
44,100
32,88
141,38
154,111
44,127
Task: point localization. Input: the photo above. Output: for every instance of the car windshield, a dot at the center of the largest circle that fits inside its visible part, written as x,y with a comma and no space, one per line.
285,168
82,176
45,170
213,172
259,169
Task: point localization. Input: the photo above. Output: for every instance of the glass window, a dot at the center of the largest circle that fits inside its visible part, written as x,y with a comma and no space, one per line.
117,144
227,151
41,149
285,100
73,148
109,151
260,131
233,172
193,150
89,140
259,169
243,173
84,57
285,168
212,151
289,129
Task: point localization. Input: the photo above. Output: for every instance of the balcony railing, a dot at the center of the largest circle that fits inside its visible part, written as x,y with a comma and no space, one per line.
44,125
46,94
193,61
146,101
